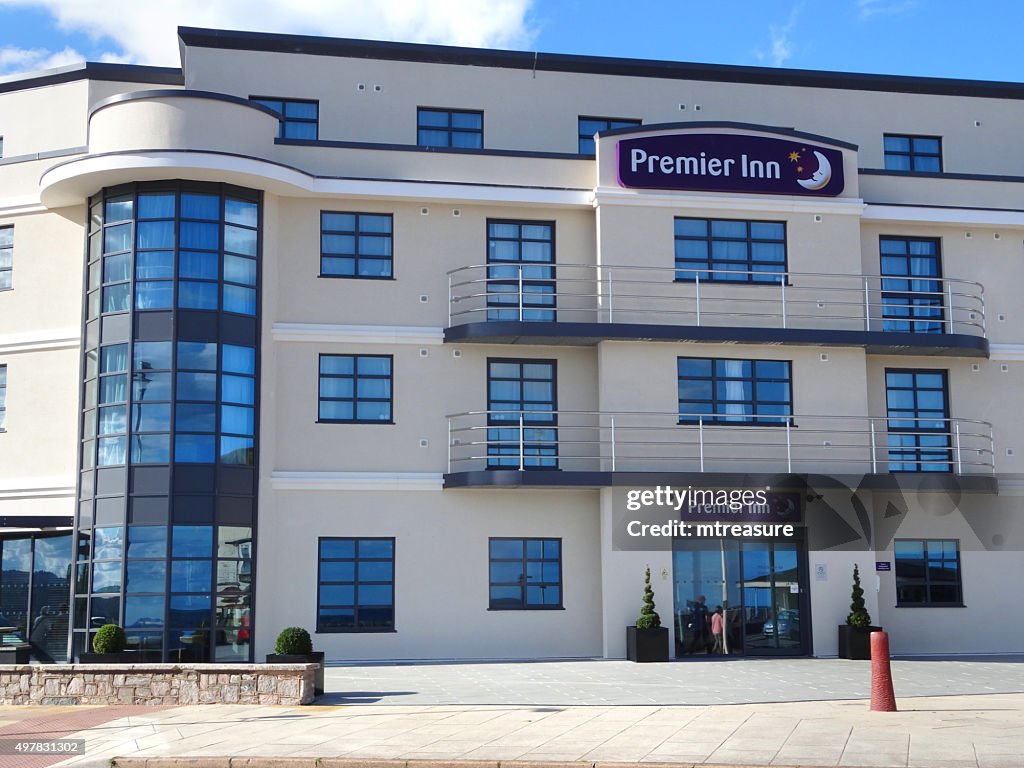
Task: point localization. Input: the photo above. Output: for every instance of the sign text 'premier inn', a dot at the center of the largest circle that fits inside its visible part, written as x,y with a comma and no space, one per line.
730,162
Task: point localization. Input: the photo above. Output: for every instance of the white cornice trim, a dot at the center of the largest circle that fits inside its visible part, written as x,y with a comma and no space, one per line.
848,206
1006,352
70,182
61,338
357,481
21,206
20,488
358,334
933,215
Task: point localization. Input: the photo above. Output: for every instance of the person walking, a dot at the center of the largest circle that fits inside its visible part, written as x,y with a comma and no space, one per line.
717,631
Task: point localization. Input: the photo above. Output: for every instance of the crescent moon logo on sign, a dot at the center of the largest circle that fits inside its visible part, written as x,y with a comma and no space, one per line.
820,177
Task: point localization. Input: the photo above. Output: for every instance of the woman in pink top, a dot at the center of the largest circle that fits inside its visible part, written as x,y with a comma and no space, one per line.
717,626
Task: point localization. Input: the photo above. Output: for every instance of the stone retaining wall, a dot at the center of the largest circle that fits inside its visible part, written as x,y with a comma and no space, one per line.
287,684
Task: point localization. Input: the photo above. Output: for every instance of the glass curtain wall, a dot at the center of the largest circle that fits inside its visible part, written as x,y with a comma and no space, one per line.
35,591
170,391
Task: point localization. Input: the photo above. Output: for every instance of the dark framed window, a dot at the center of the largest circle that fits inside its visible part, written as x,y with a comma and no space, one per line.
588,126
928,572
729,250
525,574
522,392
726,391
912,295
3,398
299,118
459,128
356,585
917,410
1,146
915,154
528,246
356,245
6,257
356,389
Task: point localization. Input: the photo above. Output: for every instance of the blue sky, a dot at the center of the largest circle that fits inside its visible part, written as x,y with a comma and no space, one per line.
942,38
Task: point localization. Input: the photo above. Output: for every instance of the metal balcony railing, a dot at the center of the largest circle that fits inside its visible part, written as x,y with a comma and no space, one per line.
587,293
601,441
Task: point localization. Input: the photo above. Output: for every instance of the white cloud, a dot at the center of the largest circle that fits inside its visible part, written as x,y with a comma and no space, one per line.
145,30
782,39
869,9
13,59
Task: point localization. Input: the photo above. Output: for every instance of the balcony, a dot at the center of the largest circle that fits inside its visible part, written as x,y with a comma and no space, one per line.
600,448
580,304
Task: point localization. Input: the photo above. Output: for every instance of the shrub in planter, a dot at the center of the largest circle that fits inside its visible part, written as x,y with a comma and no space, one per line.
109,646
647,640
855,635
109,639
295,646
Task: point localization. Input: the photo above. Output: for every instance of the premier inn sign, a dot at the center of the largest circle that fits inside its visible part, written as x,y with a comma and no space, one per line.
730,162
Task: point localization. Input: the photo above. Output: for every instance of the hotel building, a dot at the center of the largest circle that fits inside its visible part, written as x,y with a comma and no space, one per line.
375,339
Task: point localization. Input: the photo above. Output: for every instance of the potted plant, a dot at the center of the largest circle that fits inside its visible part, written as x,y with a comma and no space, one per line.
295,646
855,634
648,640
109,646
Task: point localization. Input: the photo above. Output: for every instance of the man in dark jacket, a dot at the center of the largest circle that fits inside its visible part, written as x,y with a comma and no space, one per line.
698,626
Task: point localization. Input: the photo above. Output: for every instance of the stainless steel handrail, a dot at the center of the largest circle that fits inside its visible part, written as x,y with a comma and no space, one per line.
617,293
648,440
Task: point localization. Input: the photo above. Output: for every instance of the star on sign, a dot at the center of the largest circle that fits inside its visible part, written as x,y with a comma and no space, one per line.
794,156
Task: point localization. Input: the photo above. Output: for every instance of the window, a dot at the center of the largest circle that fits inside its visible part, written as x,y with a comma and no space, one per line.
918,421
1,146
928,572
355,389
912,294
3,398
591,125
525,574
734,391
299,117
521,245
356,245
356,585
6,257
729,250
522,414
916,154
449,128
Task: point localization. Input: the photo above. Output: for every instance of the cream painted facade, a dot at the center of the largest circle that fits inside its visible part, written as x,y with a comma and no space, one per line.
619,323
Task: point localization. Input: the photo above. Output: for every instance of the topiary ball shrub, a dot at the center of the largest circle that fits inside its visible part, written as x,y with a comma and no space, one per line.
109,639
293,641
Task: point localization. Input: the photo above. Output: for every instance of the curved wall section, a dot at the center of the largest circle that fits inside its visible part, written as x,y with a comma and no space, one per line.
182,120
168,456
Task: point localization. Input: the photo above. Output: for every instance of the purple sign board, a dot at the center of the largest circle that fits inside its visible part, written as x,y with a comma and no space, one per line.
883,565
730,162
776,508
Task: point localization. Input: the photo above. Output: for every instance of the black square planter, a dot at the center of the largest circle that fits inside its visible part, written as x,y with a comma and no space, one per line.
316,657
645,645
16,654
855,642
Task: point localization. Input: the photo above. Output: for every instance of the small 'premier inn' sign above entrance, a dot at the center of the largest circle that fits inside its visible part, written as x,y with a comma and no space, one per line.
730,162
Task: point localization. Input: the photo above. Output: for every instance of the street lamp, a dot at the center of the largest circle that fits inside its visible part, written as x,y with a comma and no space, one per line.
140,383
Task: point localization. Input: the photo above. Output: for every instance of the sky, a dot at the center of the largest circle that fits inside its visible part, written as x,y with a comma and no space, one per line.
936,38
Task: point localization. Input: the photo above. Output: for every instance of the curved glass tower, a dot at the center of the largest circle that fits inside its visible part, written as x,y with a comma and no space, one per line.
169,447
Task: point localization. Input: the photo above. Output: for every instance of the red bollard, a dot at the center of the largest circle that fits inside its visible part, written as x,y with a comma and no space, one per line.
882,697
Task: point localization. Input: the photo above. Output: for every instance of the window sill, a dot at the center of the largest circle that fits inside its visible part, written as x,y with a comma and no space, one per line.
932,605
354,421
366,631
356,277
753,283
528,608
778,424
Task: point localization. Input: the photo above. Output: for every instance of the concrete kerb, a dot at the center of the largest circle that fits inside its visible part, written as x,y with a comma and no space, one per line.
329,762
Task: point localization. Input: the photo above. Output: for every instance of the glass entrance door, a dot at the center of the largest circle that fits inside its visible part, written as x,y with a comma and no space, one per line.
759,589
773,598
